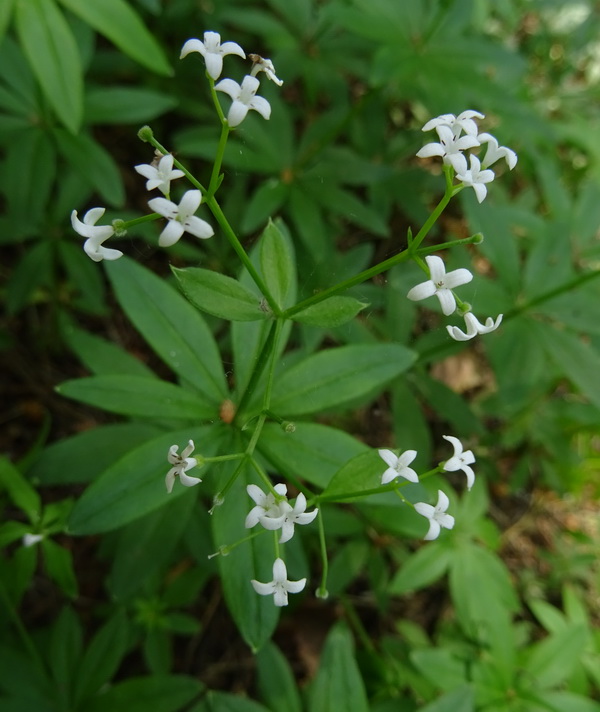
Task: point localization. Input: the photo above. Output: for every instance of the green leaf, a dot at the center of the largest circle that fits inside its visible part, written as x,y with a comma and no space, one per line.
95,166
440,666
313,452
459,700
449,405
138,396
226,702
32,272
568,702
362,472
64,651
59,566
338,684
125,105
426,565
553,659
52,52
118,22
134,485
255,616
102,657
335,377
82,457
172,327
276,683
6,9
278,263
219,295
331,312
21,493
159,693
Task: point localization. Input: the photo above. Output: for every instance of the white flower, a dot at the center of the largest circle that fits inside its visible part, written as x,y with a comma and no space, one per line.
96,235
450,146
261,64
495,152
270,511
244,99
473,177
462,122
31,539
460,460
398,466
181,464
474,327
279,586
213,52
440,284
181,218
296,515
437,516
160,176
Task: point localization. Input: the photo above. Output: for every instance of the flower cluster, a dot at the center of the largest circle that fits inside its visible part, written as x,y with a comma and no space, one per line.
458,134
398,466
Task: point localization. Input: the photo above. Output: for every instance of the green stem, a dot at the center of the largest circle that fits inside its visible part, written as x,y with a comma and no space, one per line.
214,177
259,366
224,458
192,179
322,590
357,624
216,102
22,631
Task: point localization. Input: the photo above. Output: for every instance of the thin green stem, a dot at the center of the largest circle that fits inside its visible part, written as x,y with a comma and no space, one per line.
261,362
215,99
228,548
126,224
224,458
390,487
322,590
192,179
22,631
216,170
357,624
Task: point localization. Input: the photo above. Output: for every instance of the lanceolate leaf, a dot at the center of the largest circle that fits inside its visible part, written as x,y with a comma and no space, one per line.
117,21
338,376
331,312
53,55
278,263
172,327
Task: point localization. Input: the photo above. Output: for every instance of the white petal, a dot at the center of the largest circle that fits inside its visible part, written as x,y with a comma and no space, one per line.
172,232
170,480
296,586
281,489
189,203
188,450
287,531
198,228
264,589
409,474
459,335
253,517
422,291
457,277
192,46
237,113
443,502
214,64
232,48
447,301
406,458
279,571
425,510
306,517
257,494
272,523
446,520
431,149
163,207
188,481
388,457
261,105
433,532
437,268
480,191
280,596
233,89
470,476
146,170
389,475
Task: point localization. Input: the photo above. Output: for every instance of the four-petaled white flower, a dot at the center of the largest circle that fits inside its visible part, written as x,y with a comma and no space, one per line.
244,98
437,516
473,177
474,327
31,539
398,466
462,122
280,586
213,52
262,64
96,235
160,176
181,218
270,510
460,460
495,152
440,284
296,515
181,464
450,146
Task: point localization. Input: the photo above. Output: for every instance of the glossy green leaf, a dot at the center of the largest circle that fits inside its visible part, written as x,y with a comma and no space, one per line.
52,52
64,650
331,312
118,22
278,263
159,693
94,165
313,452
138,396
255,616
338,684
219,295
134,485
337,376
172,327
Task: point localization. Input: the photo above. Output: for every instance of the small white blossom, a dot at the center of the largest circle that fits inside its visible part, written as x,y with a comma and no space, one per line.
437,516
31,539
398,466
473,177
280,586
296,515
440,284
213,52
244,98
160,176
463,122
495,152
270,510
474,327
460,460
261,64
181,464
450,146
181,218
95,234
